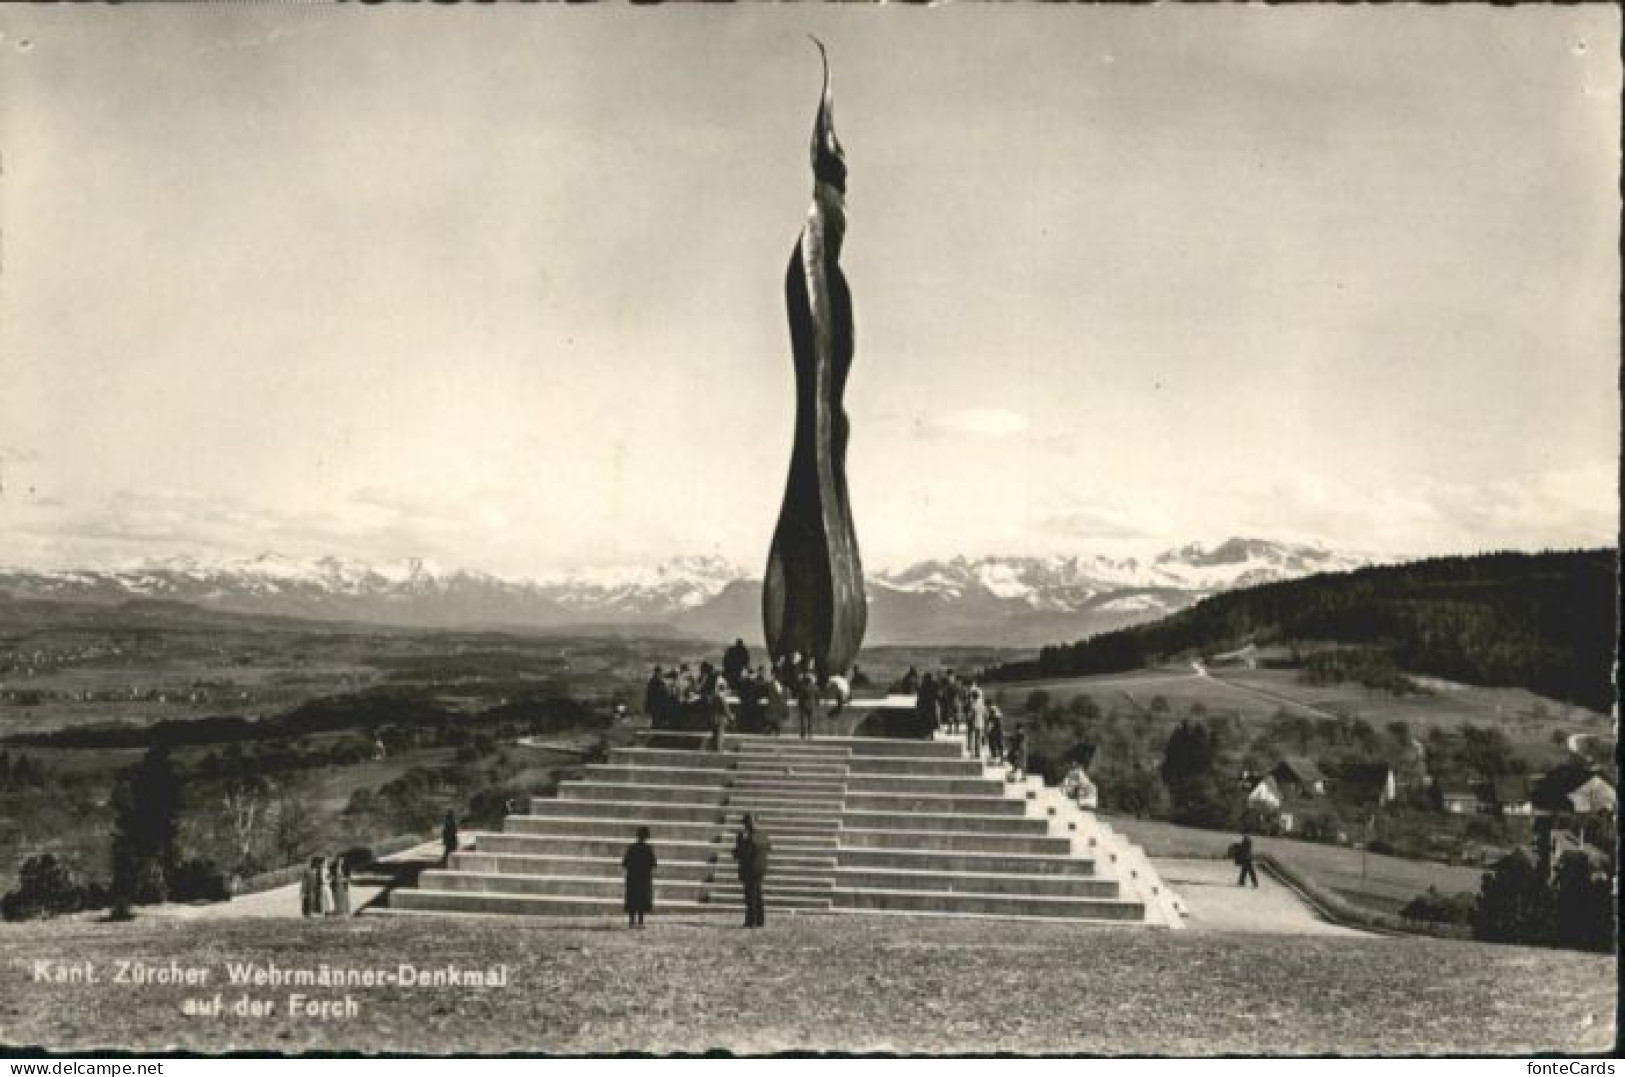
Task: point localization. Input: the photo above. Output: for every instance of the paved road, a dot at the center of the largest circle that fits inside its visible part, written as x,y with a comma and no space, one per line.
1216,903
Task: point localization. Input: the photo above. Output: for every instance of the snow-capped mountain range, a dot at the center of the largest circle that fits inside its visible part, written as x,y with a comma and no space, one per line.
1014,600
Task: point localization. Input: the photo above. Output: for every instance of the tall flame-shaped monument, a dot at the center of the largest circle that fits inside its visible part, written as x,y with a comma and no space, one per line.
812,599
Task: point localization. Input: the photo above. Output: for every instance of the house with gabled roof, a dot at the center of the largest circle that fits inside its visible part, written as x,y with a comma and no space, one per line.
1295,774
1593,797
1510,795
1369,785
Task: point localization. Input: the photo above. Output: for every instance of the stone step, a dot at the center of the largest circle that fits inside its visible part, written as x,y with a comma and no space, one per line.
798,903
771,894
777,747
581,866
668,757
659,830
909,803
1084,886
811,787
589,886
455,901
788,865
644,775
909,766
971,861
930,786
751,801
985,824
804,818
950,841
665,794
778,882
1070,908
789,768
641,810
602,848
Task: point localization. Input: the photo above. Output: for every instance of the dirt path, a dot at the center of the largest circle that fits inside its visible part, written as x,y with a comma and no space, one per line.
1216,903
281,903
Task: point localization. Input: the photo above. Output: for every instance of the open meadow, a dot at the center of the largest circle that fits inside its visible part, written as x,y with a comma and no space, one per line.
1537,726
843,983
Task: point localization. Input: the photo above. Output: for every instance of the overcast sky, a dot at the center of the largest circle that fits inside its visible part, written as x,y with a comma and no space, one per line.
503,288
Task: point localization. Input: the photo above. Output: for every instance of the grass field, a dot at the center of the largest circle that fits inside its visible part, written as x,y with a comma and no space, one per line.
1534,725
850,984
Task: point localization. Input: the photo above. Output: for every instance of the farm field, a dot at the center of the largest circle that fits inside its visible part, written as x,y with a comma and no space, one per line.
846,983
1535,725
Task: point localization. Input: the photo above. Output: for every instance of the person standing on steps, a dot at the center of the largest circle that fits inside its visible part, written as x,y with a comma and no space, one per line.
976,720
751,849
1018,754
449,838
778,704
639,863
1242,854
807,701
720,716
735,661
995,733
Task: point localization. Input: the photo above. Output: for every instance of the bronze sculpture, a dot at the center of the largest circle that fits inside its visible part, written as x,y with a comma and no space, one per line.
813,602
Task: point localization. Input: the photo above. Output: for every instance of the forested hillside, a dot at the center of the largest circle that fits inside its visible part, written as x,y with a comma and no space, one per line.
1544,621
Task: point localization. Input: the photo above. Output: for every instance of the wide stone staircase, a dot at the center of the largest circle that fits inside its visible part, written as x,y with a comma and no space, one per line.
857,824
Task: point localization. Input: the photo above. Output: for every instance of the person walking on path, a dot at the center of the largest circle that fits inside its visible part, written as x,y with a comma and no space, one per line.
340,881
751,849
639,863
449,838
1242,854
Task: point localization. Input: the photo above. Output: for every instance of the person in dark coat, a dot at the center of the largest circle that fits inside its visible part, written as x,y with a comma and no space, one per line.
310,888
1018,753
735,660
751,848
654,698
911,681
449,838
1242,853
925,704
639,863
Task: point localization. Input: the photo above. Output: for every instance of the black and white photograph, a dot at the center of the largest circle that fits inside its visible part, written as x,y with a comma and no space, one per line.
798,529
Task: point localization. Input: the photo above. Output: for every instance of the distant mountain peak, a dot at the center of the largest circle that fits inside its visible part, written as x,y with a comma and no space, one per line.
1018,600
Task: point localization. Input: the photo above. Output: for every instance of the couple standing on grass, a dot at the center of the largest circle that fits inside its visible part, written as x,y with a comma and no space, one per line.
751,848
324,888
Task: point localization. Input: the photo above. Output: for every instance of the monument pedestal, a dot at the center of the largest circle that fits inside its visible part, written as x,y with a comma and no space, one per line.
863,716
